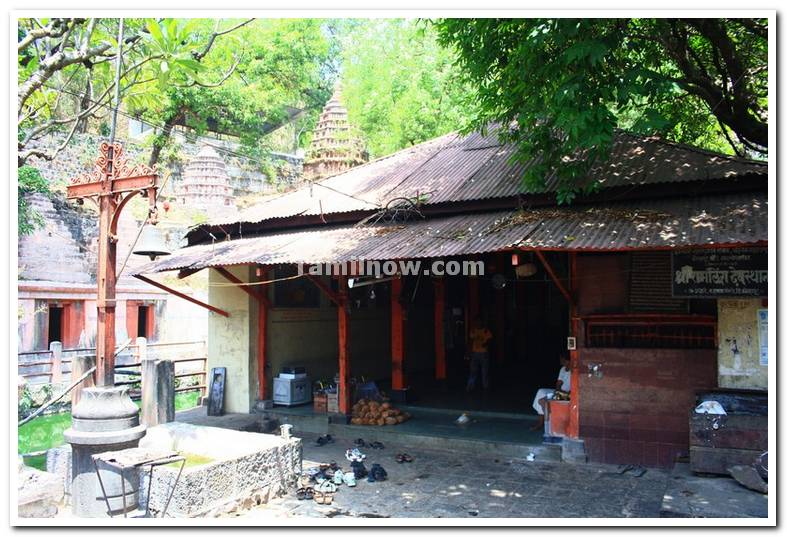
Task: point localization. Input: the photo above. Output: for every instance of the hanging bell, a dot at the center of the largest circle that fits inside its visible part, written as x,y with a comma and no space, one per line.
151,243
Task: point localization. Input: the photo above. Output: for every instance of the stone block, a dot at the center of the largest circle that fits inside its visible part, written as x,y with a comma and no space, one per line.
39,493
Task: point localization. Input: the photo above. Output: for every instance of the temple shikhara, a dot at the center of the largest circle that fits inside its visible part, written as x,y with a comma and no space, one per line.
206,183
335,147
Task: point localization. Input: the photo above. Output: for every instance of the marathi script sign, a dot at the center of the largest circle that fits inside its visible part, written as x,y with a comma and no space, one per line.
720,273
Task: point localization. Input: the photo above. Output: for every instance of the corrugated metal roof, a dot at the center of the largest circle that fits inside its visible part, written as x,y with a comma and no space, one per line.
740,218
455,168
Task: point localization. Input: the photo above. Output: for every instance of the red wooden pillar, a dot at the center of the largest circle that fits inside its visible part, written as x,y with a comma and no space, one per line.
344,348
573,418
439,331
500,314
397,336
262,341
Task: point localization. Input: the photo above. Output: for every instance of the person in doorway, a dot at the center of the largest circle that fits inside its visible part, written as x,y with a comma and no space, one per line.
479,337
561,390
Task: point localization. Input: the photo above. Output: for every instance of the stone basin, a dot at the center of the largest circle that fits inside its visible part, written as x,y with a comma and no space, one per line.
225,470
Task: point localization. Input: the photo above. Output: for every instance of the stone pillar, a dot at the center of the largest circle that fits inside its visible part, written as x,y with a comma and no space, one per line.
158,392
57,362
105,419
79,366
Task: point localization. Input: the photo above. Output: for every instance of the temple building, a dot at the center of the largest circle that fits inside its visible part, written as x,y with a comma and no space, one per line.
206,183
335,147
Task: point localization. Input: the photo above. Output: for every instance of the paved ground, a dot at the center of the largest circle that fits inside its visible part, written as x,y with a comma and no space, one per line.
443,484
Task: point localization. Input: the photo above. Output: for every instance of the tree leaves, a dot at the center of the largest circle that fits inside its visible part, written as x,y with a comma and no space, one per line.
560,87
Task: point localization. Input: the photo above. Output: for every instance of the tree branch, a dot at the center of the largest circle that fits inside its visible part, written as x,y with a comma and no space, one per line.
199,55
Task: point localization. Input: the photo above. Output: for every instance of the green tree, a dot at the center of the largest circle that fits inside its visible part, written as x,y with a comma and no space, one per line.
398,83
29,181
560,87
249,82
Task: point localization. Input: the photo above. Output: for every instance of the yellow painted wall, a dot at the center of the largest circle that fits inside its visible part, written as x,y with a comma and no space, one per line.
230,341
739,345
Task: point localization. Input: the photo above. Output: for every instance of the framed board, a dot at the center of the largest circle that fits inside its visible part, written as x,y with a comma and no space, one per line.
720,273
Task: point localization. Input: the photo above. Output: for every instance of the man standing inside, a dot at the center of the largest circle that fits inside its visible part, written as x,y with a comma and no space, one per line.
562,389
479,337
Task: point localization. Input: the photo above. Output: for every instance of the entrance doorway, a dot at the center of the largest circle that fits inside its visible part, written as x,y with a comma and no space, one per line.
55,330
529,320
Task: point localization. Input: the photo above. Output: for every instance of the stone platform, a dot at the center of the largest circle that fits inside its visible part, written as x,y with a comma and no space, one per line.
225,470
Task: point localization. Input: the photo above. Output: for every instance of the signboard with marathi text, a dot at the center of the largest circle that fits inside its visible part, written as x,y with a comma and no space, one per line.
719,272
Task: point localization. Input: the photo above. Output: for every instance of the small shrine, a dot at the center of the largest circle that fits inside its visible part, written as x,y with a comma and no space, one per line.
206,183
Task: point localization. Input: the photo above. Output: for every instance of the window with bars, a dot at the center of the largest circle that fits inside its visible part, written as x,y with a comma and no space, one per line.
651,331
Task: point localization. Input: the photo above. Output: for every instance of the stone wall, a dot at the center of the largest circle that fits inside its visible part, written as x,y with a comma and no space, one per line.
246,175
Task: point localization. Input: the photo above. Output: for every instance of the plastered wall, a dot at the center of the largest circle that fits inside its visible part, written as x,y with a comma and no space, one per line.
740,364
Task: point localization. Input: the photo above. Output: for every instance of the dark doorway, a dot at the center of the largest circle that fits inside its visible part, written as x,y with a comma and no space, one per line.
142,321
55,324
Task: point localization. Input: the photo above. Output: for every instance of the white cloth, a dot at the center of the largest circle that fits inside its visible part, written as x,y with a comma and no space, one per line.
549,393
540,394
565,376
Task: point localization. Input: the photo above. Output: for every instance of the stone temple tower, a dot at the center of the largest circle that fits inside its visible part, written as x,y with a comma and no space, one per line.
206,183
335,146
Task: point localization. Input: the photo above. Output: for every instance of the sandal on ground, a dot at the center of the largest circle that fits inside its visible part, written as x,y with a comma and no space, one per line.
349,479
327,439
377,445
378,473
623,468
404,457
304,493
354,455
319,497
338,477
359,470
360,443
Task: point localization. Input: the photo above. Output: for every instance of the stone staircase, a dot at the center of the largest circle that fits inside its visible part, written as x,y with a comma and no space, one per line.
51,253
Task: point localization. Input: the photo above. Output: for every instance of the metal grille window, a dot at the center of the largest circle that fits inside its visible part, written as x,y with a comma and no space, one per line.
650,284
651,331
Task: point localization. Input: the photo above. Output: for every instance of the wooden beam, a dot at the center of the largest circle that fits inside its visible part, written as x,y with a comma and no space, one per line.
439,329
325,289
262,343
500,314
185,273
573,414
255,294
397,336
181,295
344,348
554,277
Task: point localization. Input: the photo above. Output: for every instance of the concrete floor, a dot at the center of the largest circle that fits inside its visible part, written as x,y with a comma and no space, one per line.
441,484
459,473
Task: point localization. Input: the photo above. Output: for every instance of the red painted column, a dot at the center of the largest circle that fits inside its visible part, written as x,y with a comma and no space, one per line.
397,337
344,348
439,331
500,314
262,342
573,419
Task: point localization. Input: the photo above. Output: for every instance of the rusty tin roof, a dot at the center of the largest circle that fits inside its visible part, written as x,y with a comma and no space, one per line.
715,220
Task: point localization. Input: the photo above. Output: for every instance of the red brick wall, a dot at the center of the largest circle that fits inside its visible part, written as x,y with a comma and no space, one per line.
638,411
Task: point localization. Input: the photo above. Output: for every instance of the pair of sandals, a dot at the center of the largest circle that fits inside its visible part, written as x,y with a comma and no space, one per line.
344,478
373,445
377,473
636,470
359,470
322,440
324,492
404,457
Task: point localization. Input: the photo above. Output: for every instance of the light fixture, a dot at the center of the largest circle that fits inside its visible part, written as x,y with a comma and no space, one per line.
358,282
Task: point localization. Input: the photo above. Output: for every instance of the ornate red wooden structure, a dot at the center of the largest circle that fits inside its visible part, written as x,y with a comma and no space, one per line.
111,184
